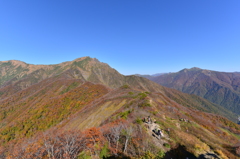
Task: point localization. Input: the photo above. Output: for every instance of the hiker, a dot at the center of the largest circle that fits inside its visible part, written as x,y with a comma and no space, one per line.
144,119
149,120
156,131
159,133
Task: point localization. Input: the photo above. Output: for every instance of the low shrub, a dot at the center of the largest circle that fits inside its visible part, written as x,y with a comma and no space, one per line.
139,121
166,145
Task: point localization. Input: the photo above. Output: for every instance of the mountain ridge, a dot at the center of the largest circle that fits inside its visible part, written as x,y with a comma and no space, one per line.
86,69
90,96
219,87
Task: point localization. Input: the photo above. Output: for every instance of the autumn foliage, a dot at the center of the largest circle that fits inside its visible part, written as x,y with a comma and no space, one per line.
119,137
67,116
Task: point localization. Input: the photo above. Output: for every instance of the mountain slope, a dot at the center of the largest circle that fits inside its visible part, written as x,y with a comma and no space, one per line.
89,96
84,69
92,105
218,87
90,69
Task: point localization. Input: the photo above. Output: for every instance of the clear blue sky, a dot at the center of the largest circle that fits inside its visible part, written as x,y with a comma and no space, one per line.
132,36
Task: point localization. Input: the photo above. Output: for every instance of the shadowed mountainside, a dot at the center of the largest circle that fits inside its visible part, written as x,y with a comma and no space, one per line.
218,87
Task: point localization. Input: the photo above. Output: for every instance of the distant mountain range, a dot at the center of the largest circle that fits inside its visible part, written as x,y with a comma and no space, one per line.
46,108
218,87
150,76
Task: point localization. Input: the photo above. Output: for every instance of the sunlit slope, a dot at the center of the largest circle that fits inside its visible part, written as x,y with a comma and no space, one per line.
86,93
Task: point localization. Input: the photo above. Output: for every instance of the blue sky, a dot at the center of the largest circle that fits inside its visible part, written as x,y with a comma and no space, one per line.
132,36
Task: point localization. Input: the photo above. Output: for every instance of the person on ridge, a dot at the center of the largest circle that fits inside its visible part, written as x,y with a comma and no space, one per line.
149,120
159,133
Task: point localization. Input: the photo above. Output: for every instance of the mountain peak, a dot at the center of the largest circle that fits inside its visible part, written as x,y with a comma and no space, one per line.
195,68
87,59
82,58
190,69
